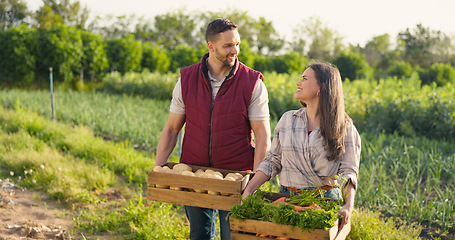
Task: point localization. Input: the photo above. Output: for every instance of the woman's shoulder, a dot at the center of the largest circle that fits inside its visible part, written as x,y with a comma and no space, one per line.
296,112
352,132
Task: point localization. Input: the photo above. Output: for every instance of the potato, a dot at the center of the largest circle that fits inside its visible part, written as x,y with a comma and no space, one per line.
219,174
199,172
206,175
216,176
182,167
236,176
188,173
229,178
164,169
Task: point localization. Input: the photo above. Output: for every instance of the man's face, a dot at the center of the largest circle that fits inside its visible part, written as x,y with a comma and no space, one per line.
226,47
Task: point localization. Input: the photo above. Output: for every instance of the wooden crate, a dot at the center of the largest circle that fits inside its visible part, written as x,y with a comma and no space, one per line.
246,230
188,197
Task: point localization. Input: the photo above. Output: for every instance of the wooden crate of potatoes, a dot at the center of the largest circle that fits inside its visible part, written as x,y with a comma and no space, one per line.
196,185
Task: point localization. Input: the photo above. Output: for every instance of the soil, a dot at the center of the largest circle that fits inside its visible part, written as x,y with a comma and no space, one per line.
28,214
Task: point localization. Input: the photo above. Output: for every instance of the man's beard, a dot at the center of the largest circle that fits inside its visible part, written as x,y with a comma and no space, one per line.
224,59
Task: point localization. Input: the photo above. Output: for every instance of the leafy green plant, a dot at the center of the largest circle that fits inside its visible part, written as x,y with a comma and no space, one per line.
258,207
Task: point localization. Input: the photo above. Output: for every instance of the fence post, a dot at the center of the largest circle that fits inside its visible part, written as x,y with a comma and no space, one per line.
52,92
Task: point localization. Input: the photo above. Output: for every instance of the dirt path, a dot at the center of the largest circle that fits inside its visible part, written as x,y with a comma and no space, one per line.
31,215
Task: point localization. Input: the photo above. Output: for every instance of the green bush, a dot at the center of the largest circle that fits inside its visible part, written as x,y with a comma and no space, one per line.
263,63
402,106
182,56
151,85
246,55
94,59
353,65
155,58
124,54
18,51
400,69
439,73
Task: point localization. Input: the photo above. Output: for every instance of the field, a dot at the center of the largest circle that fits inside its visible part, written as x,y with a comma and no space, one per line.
406,176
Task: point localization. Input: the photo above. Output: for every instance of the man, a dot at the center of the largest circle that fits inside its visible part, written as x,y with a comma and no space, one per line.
223,103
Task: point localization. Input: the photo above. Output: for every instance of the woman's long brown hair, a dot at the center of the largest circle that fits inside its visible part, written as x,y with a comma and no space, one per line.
334,120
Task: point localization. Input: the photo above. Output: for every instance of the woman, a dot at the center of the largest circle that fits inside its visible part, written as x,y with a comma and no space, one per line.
316,144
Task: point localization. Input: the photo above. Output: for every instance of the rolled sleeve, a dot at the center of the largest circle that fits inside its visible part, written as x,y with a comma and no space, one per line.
349,166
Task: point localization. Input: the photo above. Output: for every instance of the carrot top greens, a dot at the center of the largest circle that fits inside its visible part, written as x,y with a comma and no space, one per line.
258,207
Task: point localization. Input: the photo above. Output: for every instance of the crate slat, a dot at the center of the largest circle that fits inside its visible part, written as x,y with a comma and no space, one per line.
255,226
192,198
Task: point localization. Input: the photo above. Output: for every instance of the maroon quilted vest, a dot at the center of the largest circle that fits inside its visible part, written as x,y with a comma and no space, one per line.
220,137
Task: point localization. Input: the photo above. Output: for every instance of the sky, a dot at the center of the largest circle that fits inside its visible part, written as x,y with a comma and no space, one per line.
357,21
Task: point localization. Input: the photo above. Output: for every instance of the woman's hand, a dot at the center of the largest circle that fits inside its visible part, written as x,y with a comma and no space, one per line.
245,194
346,213
346,210
258,179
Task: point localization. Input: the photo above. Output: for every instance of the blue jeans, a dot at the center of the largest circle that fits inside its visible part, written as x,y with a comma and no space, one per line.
334,193
202,223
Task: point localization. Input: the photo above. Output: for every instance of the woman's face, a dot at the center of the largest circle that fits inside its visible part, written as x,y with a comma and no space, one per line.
307,87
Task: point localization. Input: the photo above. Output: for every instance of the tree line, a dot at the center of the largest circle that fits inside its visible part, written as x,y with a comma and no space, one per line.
61,34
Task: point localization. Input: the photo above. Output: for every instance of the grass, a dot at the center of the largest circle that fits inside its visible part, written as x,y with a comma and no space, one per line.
115,117
367,225
72,165
409,178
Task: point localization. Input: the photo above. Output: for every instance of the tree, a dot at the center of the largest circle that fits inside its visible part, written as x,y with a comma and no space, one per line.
182,56
94,59
353,65
440,73
124,54
377,50
246,55
12,13
19,45
116,27
60,48
173,29
267,40
324,43
62,11
422,46
155,58
400,69
263,63
290,62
